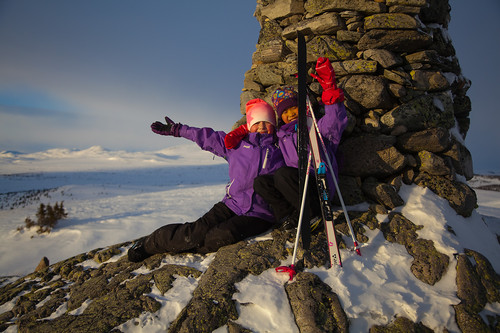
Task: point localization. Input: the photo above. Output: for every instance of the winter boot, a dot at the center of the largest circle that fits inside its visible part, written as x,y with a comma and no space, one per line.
292,221
289,222
137,253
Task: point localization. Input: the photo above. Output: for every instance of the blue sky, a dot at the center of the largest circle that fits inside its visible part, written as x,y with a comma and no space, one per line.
74,74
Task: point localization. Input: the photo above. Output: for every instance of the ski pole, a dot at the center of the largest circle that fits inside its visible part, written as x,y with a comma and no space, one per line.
351,230
291,269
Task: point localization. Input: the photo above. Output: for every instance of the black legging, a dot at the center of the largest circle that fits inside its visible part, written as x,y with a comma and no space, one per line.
220,226
281,192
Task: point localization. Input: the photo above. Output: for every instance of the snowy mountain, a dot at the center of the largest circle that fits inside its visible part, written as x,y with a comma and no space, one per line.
116,196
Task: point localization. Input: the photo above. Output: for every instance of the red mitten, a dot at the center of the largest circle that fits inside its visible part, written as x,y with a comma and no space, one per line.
235,136
326,77
332,96
326,74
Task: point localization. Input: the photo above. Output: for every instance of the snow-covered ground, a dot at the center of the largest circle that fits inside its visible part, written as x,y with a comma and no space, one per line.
116,196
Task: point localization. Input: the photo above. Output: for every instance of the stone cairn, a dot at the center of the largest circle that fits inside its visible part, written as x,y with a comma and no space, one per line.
408,111
405,94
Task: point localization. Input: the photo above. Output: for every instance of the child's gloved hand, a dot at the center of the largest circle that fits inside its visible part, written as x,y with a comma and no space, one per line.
326,74
326,78
170,128
235,136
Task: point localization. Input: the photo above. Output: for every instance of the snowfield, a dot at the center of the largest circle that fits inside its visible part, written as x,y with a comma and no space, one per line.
117,196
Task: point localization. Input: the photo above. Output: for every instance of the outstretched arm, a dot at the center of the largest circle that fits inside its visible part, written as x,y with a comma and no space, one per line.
206,138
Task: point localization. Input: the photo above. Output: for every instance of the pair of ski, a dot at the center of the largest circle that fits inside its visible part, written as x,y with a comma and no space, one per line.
308,133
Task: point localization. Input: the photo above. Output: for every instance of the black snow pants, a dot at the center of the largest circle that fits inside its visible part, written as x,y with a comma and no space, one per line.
281,192
220,226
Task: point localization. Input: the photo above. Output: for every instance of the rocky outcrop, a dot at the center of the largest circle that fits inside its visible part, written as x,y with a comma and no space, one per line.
477,284
428,265
100,299
66,297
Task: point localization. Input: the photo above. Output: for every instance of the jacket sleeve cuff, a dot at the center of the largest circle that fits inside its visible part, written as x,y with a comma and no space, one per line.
332,95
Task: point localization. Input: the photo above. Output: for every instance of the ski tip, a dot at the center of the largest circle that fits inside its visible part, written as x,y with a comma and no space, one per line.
336,263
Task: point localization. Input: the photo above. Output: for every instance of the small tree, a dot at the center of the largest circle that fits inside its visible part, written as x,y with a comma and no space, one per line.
59,211
47,217
40,214
29,223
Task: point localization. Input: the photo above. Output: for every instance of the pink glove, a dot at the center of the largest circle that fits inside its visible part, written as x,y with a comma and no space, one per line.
235,136
326,77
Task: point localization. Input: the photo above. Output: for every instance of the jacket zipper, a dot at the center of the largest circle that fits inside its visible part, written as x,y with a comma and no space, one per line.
265,159
228,187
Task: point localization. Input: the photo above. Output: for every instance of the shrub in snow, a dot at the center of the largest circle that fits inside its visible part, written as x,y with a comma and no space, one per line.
47,217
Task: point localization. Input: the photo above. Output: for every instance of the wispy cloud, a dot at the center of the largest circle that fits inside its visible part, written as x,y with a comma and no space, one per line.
28,111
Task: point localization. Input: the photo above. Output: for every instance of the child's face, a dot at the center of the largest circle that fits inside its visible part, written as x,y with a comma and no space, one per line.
263,127
290,114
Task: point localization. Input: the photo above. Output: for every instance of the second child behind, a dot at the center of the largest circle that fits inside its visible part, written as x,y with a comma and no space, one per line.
281,190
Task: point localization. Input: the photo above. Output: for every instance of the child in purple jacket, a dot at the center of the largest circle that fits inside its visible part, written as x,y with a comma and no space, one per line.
281,190
242,213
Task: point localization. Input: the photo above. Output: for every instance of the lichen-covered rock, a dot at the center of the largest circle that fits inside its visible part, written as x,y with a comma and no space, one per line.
212,304
461,159
423,112
433,164
395,40
429,80
367,155
315,7
382,193
390,21
328,23
42,265
489,278
460,196
369,91
102,315
315,306
385,58
434,140
106,254
469,287
280,9
429,265
354,67
401,325
477,284
270,47
325,46
469,321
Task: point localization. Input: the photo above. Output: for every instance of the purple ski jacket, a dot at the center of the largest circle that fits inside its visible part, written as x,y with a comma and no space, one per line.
257,154
331,126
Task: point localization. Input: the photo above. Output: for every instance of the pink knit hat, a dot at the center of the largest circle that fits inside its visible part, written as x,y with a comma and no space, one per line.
259,110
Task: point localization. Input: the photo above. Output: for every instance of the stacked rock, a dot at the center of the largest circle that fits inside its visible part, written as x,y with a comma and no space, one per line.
405,93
